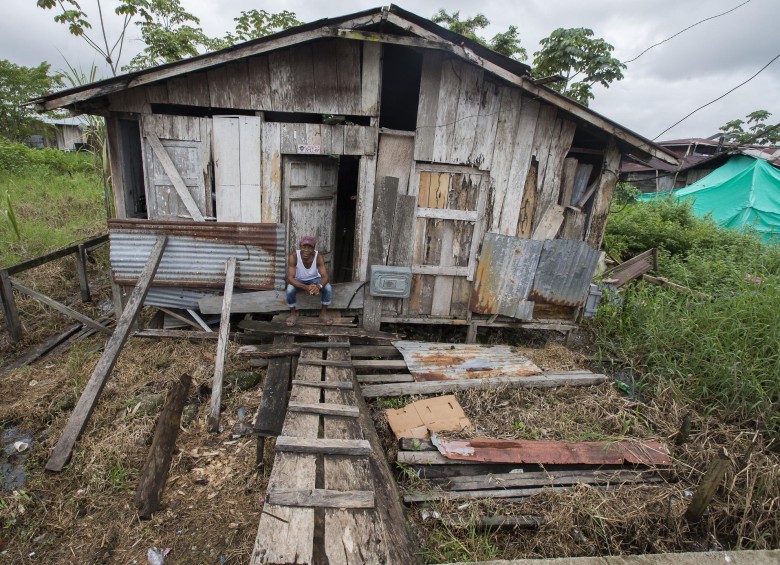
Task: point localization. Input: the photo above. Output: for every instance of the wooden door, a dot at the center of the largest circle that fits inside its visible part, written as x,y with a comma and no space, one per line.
310,187
177,166
449,226
237,168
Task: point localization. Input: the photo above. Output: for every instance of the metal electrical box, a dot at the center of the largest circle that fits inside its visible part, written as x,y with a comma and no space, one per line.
390,282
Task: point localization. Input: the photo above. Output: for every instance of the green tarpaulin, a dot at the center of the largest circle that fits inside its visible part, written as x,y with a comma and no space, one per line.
745,192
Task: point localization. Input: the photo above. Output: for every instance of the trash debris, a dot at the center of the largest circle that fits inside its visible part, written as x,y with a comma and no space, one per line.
428,514
21,446
418,419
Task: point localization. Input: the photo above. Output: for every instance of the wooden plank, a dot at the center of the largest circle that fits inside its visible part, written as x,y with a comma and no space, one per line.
447,214
325,344
401,242
86,404
280,70
43,259
544,478
81,271
442,286
155,472
525,222
267,351
506,132
439,387
487,124
40,351
376,364
379,246
199,320
342,385
273,403
573,223
371,78
10,310
516,493
222,346
440,271
326,80
271,150
322,498
179,317
387,378
364,215
324,408
259,82
349,73
716,472
394,159
374,351
549,223
302,78
447,111
250,133
550,190
315,446
324,363
568,177
71,313
174,176
176,334
237,85
603,197
467,115
480,227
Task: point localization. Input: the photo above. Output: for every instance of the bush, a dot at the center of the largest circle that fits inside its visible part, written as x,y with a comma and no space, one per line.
17,158
719,348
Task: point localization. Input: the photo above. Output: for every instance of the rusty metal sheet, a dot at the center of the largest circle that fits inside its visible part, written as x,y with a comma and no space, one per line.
488,450
564,273
196,253
505,276
447,361
633,268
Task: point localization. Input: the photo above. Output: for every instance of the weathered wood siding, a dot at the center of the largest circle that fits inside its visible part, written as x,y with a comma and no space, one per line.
336,76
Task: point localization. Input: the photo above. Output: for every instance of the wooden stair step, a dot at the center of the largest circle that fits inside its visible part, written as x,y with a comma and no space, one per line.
325,409
321,498
325,446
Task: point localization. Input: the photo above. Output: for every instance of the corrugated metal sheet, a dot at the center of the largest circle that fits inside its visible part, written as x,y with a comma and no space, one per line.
177,297
634,267
196,253
505,276
566,267
446,361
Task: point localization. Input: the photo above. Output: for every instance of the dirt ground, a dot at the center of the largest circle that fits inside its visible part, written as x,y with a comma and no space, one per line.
214,494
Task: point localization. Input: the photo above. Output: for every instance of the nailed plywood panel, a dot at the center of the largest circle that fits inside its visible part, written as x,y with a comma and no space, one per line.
505,276
428,104
467,115
394,159
487,124
445,361
227,168
446,114
271,149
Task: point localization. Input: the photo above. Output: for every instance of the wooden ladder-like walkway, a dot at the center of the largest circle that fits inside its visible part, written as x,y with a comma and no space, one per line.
331,497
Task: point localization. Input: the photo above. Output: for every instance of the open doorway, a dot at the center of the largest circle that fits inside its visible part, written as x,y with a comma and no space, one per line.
320,195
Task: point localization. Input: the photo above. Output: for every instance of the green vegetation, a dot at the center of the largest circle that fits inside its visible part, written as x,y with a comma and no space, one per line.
18,85
754,130
717,347
48,199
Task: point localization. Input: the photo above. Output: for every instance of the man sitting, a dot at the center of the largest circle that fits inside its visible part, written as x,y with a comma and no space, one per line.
306,270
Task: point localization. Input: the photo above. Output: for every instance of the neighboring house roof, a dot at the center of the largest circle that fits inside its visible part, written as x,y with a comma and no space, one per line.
417,32
67,121
745,192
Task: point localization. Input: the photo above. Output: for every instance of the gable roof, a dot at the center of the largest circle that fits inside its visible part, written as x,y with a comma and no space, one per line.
415,32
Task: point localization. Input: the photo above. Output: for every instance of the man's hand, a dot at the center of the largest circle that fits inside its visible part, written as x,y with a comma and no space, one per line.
313,289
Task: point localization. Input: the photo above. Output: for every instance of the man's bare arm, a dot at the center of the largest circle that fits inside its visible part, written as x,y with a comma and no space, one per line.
323,270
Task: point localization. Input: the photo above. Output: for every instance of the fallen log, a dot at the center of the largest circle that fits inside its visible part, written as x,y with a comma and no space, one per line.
155,471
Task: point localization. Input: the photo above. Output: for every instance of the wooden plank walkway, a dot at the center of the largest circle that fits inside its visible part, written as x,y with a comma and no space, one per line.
331,496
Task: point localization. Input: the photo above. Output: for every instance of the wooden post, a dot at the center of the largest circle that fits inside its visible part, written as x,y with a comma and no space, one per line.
155,471
70,312
222,345
9,308
378,247
86,404
81,269
709,484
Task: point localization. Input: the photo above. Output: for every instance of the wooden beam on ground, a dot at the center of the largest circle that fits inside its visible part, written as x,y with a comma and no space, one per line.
543,478
222,346
337,385
492,522
374,351
322,498
380,364
716,472
273,403
388,378
268,351
316,331
70,312
324,446
40,351
325,408
324,344
510,493
86,404
325,363
155,472
549,380
176,334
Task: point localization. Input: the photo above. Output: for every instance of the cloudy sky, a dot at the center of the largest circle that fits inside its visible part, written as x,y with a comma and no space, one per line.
661,87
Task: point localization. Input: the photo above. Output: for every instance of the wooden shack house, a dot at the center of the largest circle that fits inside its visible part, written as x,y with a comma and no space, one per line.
473,194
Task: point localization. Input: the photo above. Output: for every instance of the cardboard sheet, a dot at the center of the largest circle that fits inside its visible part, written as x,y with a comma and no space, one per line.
418,419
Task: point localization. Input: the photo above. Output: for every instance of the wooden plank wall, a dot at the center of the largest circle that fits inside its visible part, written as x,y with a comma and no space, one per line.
323,77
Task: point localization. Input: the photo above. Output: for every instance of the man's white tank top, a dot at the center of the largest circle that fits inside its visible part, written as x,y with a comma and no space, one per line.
304,274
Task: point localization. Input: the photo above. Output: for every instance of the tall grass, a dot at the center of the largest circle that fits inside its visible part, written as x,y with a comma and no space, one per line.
720,349
54,198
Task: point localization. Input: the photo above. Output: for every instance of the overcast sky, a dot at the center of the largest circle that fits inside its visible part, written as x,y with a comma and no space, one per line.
660,88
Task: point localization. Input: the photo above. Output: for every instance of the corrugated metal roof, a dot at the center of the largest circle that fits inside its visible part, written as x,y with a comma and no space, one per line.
566,267
446,361
505,276
196,253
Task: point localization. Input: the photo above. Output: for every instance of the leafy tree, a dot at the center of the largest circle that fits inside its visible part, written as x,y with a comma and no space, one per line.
259,23
580,58
506,43
78,22
754,131
18,85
